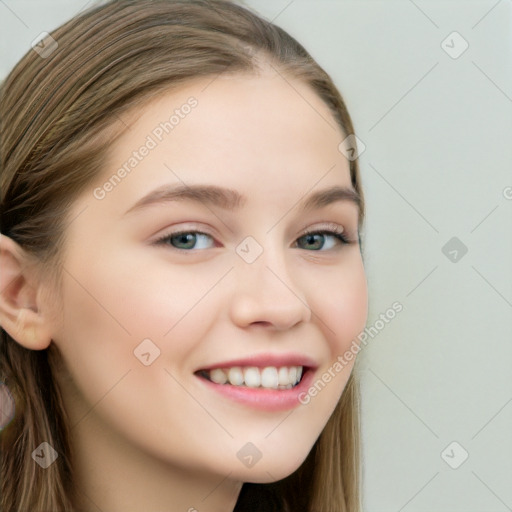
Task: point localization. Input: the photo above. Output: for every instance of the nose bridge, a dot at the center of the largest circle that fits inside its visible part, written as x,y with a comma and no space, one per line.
265,289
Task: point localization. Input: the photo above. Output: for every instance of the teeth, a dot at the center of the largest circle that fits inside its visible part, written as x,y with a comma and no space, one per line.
269,378
284,377
292,374
252,377
218,376
235,376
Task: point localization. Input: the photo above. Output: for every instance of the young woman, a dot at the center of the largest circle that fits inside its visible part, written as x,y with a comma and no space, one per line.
182,275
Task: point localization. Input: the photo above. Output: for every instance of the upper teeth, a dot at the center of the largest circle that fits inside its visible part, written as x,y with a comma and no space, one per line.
271,377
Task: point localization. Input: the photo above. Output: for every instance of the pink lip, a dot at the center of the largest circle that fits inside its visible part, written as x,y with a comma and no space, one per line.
265,399
263,360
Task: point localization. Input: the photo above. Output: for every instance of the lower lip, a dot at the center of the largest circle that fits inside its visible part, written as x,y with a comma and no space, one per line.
264,399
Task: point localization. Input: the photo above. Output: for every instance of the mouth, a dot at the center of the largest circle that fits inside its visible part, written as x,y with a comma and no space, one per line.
268,377
267,382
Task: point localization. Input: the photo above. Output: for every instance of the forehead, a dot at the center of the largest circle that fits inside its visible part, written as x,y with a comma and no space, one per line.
262,134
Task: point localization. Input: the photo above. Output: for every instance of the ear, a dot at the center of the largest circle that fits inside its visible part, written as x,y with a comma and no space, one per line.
22,313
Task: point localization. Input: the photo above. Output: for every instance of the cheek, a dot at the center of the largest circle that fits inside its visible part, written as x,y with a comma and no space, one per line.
110,311
101,329
96,340
125,300
344,307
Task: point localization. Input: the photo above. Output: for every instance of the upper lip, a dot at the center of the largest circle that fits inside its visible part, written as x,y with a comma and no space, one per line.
264,360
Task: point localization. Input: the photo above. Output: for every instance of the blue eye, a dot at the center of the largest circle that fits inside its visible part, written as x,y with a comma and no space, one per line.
185,240
310,235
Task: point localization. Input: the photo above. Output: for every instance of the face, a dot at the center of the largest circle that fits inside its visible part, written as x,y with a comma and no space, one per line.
188,346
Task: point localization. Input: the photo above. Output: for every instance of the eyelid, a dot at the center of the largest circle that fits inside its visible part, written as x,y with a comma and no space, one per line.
330,226
186,227
350,235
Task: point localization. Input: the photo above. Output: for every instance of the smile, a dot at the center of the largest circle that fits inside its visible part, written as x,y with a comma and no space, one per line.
269,377
268,381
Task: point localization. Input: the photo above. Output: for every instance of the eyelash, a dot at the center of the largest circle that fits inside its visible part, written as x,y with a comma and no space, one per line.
333,230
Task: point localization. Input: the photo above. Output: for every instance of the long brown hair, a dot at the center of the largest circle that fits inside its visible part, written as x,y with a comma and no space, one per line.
54,113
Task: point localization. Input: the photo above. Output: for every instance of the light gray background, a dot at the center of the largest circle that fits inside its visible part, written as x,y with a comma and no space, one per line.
437,165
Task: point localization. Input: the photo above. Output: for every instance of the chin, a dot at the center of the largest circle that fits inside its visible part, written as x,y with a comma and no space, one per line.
272,471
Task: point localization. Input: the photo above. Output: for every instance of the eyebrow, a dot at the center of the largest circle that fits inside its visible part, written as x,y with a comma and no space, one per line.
229,199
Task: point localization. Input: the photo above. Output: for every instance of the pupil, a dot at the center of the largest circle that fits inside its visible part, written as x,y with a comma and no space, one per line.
186,238
311,239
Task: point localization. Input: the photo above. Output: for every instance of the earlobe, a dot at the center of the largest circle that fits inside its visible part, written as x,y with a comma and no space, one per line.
20,314
29,330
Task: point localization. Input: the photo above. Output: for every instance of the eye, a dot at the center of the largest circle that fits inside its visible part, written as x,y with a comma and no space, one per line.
187,239
334,233
183,239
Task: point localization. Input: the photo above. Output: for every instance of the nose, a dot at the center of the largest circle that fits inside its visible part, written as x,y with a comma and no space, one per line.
267,295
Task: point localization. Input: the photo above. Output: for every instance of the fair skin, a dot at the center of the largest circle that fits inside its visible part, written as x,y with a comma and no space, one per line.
155,437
